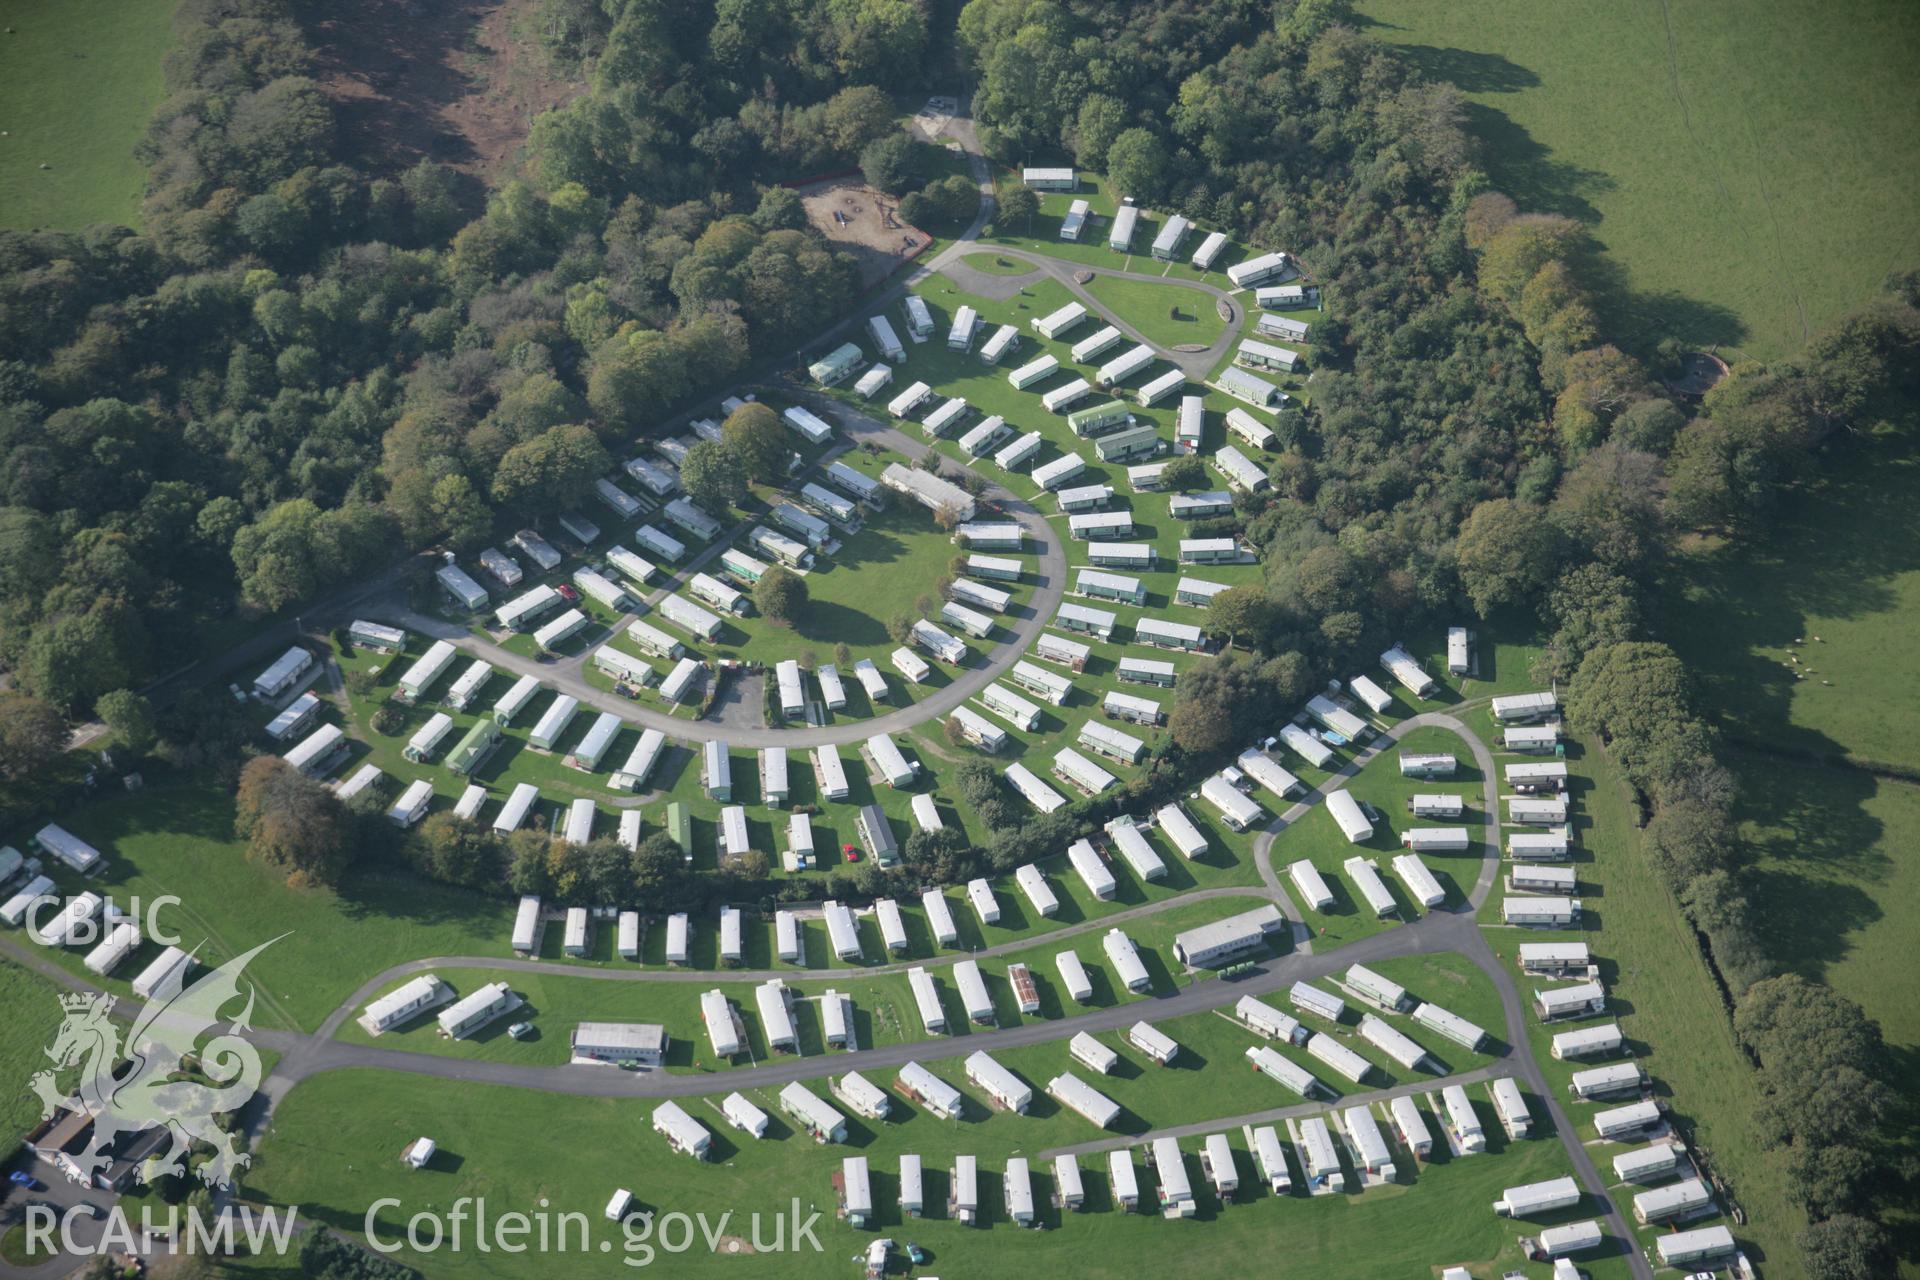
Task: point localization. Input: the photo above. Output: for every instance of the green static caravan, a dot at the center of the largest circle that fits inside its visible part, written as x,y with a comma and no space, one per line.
624,667
1200,506
1109,586
742,566
473,749
998,568
1241,385
1264,355
1162,634
1090,497
651,639
1134,442
1210,551
679,827
1096,526
1098,623
1146,671
983,437
788,551
515,700
1159,388
1166,245
1251,430
1197,591
836,365
1099,419
1036,370
1122,555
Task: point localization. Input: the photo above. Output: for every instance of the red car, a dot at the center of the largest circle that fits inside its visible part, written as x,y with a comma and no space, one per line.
568,593
853,854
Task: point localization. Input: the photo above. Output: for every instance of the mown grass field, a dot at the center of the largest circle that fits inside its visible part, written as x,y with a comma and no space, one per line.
31,1007
333,1145
78,79
1747,169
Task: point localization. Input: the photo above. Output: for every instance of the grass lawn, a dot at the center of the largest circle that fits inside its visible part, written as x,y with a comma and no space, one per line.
78,80
1737,210
1166,314
31,1006
995,264
333,1144
1043,234
177,838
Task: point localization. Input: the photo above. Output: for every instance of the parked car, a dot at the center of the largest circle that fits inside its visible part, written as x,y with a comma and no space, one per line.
21,1178
521,1031
568,593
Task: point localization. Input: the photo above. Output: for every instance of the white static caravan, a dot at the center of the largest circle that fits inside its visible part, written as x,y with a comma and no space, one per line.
871,681
466,1016
1449,1024
1540,912
560,629
1334,1053
1402,666
1001,341
662,544
1070,654
1320,1160
1648,1163
1266,771
1007,1090
716,593
1285,328
163,979
1034,791
1366,878
941,644
1535,878
1371,1154
910,399
627,935
1190,426
1307,747
788,943
1628,1123
1176,1188
1131,842
315,755
1462,1121
829,774
1197,592
1155,1043
873,381
945,418
278,678
1034,886
1535,739
884,338
889,763
1089,348
716,770
297,716
593,747
1177,827
836,1020
1251,430
1263,1019
1588,1042
1535,1198
1411,1126
865,1097
689,617
1235,809
893,929
832,690
575,941
1076,220
966,321
579,824
1162,634
1511,1106
1073,977
1125,959
1244,386
843,934
978,730
931,1091
723,1030
1524,708
1537,811
1163,385
1055,474
963,1204
1126,364
1257,271
1173,233
427,738
1023,450
939,917
682,1132
368,775
1134,710
1091,1054
1396,1044
1607,1082
1238,470
1271,1158
16,907
119,942
911,665
819,1120
513,813
971,621
980,897
578,527
1421,884
1072,767
412,804
1120,234
984,436
734,839
812,428
1576,1001
430,667
1435,805
680,681
1085,1101
1209,250
1536,778
1381,990
1017,1183
1070,1190
1312,885
1540,846
1686,1248
1055,323
1311,999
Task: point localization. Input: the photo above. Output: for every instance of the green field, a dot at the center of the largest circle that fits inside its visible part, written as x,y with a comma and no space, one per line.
1166,315
333,1147
78,79
1748,169
1833,593
31,1006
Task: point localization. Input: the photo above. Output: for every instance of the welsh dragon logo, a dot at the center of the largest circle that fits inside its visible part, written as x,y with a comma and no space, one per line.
143,1083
